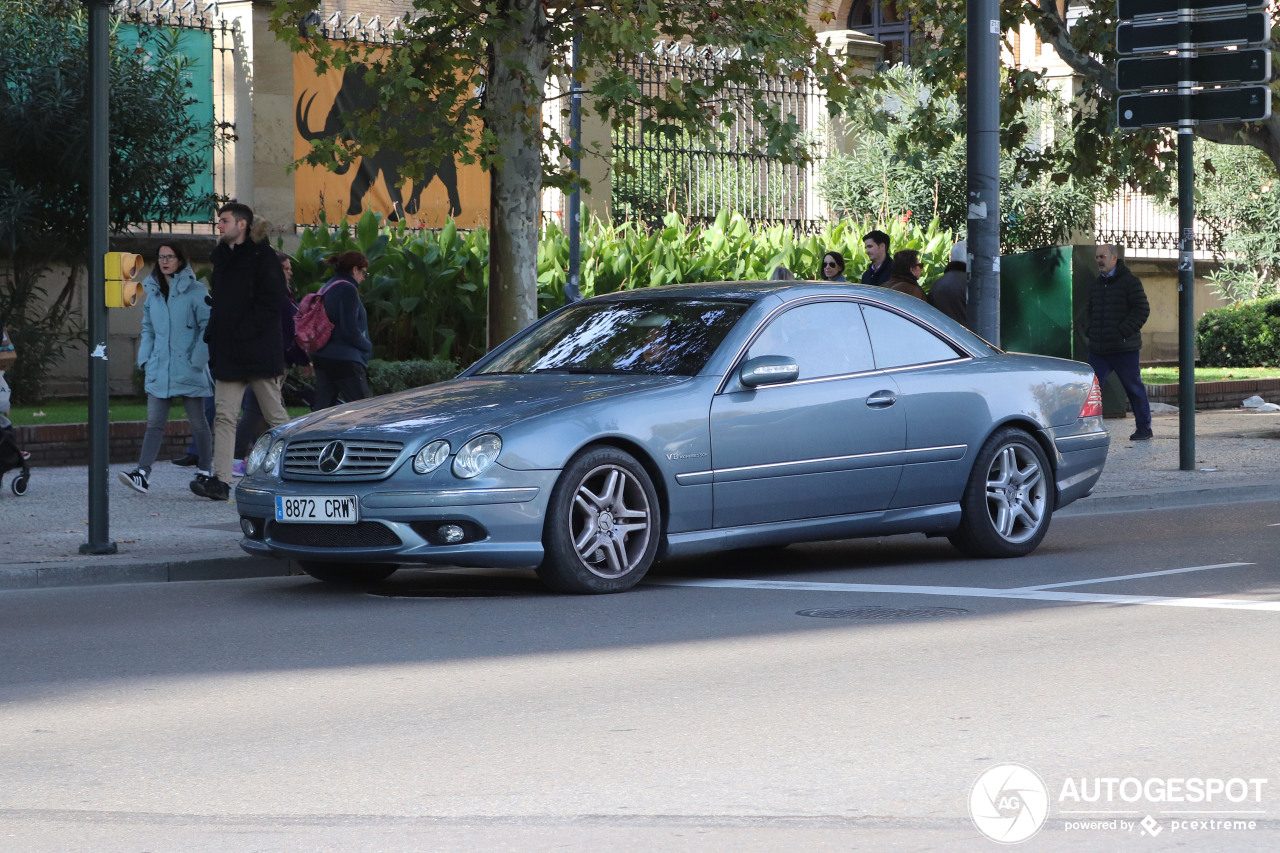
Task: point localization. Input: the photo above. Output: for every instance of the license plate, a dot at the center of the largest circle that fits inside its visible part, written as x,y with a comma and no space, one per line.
317,509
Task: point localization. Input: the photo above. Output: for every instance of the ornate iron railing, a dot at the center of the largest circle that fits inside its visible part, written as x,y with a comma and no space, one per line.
699,176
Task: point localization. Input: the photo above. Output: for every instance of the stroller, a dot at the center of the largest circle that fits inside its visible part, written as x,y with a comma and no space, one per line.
11,455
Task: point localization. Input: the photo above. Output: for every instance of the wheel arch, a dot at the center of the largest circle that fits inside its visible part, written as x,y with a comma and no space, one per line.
641,455
1031,428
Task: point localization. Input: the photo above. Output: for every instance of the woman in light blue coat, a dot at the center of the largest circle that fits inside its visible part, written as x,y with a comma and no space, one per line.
175,357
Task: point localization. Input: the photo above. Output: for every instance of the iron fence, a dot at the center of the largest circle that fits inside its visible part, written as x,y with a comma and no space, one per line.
1146,228
698,176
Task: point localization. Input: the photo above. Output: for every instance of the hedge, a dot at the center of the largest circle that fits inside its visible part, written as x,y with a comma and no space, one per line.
1246,334
388,377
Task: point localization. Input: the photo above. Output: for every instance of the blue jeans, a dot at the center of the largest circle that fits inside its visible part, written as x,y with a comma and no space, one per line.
1125,365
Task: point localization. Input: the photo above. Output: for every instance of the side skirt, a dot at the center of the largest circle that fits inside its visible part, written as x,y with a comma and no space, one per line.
939,519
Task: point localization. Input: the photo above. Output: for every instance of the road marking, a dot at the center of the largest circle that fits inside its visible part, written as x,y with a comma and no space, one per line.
1129,577
1024,593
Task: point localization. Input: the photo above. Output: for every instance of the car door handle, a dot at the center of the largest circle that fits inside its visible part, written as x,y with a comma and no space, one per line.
881,400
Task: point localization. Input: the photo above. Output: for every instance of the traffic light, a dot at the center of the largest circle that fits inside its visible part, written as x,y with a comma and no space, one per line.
122,270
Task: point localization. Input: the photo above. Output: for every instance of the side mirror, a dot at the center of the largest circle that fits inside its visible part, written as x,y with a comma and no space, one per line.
768,370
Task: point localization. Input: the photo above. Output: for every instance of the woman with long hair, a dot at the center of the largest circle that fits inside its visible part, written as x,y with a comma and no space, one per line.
905,274
341,364
175,358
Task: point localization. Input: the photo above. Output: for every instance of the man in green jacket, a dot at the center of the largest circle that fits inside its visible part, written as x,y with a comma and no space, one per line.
1117,310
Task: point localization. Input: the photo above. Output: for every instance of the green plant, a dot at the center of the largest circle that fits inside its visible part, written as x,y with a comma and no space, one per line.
387,377
1245,334
426,292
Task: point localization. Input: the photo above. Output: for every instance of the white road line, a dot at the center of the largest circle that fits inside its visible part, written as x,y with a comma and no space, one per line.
1129,577
975,592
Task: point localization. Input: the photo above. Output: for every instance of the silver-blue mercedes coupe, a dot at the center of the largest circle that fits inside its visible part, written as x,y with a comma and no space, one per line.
671,421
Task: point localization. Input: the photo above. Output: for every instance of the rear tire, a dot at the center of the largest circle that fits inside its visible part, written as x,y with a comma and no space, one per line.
348,574
603,526
19,484
1008,500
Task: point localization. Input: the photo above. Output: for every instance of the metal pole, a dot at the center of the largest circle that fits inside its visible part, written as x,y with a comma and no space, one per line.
983,125
99,324
572,287
1186,253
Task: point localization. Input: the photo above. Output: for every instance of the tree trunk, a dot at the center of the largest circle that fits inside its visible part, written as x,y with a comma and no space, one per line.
518,74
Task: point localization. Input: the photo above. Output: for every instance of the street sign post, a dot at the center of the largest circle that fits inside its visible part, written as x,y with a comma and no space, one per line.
1129,10
1207,106
1133,74
1190,95
1164,35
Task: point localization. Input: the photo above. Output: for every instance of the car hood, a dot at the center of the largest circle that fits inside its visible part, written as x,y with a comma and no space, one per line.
465,405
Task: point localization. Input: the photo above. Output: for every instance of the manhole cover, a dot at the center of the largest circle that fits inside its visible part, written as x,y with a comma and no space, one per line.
443,593
884,613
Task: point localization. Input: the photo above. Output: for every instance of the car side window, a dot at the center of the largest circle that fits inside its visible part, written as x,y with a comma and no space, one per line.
825,339
898,342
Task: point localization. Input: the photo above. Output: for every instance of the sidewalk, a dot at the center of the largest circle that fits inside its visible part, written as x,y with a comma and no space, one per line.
171,534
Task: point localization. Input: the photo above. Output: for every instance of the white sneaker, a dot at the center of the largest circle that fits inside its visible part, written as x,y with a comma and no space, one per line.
135,480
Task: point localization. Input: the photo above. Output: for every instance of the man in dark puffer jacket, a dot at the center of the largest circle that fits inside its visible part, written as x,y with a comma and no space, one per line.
246,345
1117,310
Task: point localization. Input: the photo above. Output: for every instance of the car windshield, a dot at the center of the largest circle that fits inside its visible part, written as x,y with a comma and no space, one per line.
664,337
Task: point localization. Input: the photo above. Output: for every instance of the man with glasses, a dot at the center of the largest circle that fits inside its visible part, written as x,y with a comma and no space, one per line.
877,245
1117,310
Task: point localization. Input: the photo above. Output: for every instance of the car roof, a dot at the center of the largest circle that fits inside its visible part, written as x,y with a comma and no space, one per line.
787,291
754,291
746,290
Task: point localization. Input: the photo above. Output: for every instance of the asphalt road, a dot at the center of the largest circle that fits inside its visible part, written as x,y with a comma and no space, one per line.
703,711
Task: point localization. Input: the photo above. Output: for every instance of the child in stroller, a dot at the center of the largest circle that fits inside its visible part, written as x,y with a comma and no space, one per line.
11,455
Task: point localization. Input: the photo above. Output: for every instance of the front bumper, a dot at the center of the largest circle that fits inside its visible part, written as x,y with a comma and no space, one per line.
503,523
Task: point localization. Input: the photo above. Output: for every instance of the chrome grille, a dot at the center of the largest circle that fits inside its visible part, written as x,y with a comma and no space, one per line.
361,459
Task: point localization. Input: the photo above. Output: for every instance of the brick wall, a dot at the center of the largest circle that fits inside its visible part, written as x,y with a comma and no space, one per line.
1219,395
68,444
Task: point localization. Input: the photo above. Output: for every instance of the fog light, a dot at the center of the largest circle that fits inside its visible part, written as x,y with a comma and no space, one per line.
451,534
250,529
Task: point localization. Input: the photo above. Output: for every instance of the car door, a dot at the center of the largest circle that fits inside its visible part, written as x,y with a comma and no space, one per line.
828,443
945,410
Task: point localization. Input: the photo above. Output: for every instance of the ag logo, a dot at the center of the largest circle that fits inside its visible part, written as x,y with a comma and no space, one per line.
1009,803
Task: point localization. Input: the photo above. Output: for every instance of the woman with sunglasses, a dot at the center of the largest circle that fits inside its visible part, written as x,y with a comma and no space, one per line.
176,358
833,267
905,275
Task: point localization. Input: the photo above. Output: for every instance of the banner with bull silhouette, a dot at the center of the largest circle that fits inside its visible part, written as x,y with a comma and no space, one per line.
371,183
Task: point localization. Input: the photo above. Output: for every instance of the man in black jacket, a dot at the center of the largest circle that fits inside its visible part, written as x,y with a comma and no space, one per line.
877,245
246,346
1117,310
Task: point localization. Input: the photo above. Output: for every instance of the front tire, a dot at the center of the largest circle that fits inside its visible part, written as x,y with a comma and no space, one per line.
348,574
19,485
1008,500
603,524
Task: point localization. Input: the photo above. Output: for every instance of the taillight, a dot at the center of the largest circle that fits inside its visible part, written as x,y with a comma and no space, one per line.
1093,403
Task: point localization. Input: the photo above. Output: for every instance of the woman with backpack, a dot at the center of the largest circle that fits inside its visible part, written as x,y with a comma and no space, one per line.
342,361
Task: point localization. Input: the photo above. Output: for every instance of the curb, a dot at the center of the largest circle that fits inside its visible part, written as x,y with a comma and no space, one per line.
1173,498
162,570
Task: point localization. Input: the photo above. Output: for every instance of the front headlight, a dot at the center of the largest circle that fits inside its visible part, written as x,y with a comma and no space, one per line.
270,467
477,456
258,454
431,457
